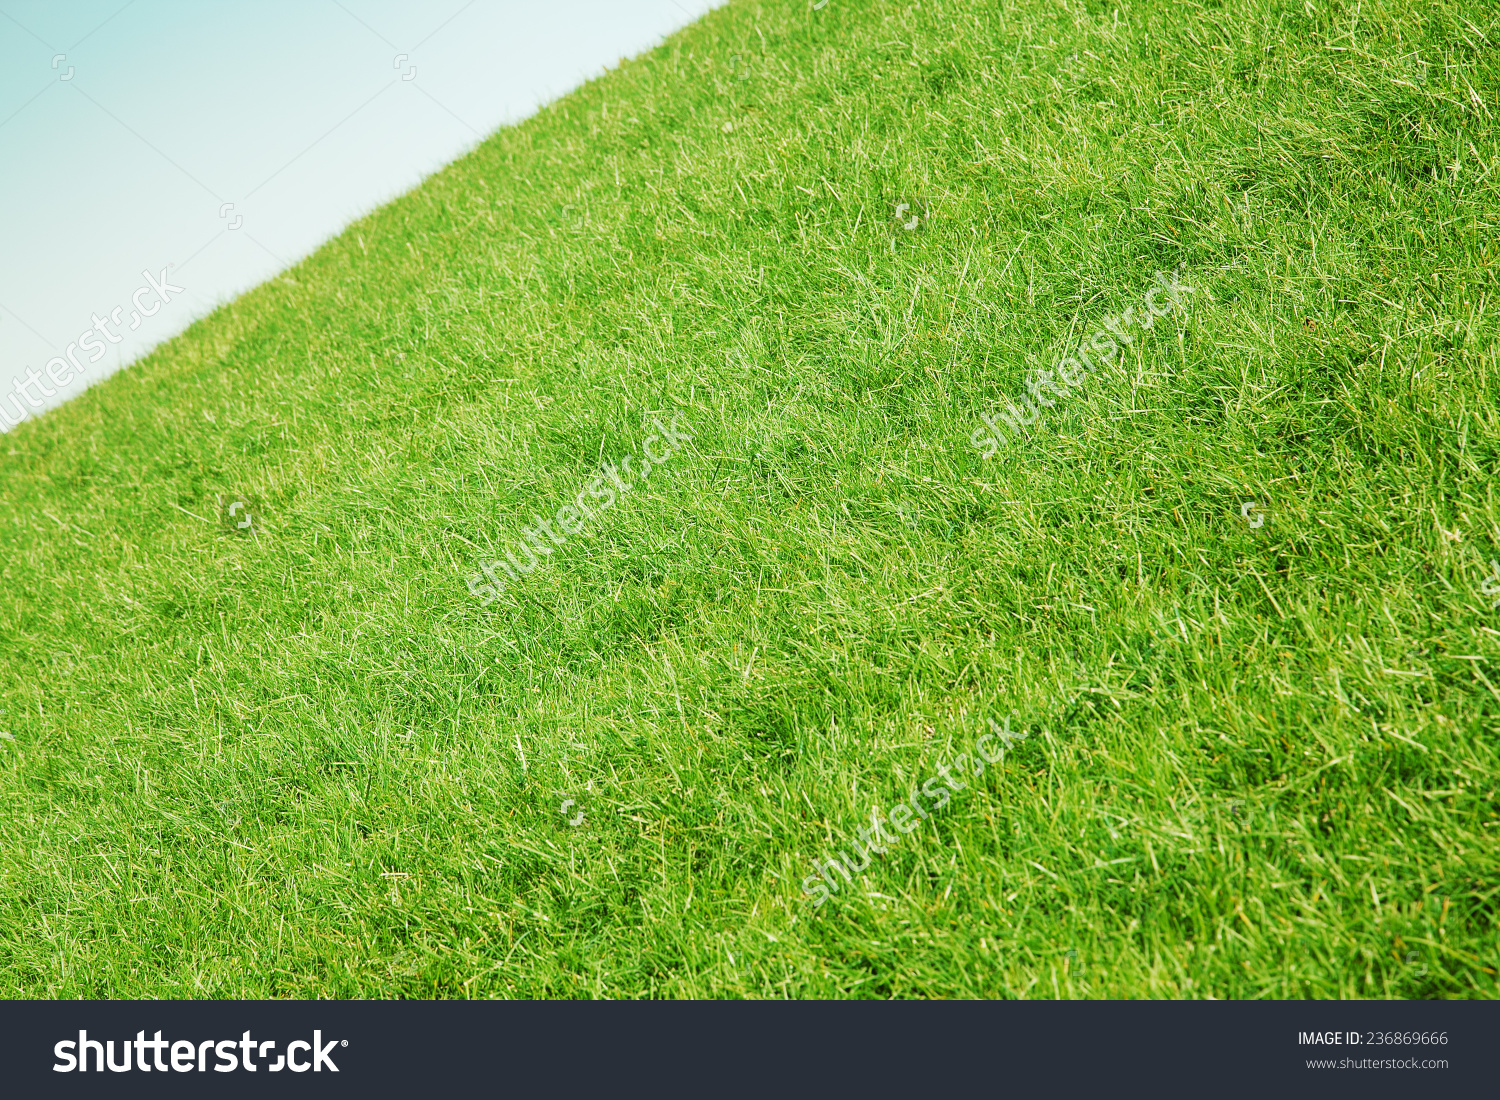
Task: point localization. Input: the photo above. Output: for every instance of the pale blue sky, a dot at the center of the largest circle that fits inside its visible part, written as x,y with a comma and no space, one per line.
121,155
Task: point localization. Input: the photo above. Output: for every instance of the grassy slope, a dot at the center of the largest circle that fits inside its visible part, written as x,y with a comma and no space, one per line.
1264,761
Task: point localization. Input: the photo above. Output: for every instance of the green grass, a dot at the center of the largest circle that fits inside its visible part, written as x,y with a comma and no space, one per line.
1263,762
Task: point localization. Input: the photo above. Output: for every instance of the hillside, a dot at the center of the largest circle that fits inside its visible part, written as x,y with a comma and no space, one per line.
1241,758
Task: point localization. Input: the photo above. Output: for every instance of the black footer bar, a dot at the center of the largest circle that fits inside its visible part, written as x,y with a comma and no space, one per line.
416,1048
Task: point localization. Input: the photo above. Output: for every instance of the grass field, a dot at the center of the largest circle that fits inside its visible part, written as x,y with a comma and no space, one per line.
302,760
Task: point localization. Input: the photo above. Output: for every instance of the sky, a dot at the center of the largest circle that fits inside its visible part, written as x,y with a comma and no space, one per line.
222,142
